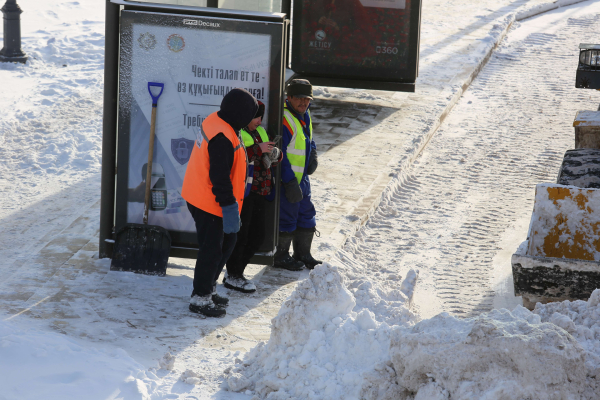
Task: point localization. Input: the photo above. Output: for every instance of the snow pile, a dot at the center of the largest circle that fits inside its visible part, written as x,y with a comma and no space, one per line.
498,355
167,362
319,347
550,353
191,378
43,365
582,320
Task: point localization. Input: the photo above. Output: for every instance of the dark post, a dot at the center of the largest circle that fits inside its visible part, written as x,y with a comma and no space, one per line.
12,33
286,8
109,127
212,3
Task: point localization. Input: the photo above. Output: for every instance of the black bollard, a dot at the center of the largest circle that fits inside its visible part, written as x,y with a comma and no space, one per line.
11,52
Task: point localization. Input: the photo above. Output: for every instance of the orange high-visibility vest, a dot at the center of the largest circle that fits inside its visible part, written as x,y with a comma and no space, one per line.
197,187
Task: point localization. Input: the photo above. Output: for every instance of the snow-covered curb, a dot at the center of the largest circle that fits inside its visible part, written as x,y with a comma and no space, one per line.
542,8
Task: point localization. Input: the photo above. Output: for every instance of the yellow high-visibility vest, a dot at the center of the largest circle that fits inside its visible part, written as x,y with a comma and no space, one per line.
249,141
296,150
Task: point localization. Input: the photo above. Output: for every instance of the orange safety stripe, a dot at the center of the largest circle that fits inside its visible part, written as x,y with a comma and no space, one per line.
287,125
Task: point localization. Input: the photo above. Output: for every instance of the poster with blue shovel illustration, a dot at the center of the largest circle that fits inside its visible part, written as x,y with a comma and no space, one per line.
199,60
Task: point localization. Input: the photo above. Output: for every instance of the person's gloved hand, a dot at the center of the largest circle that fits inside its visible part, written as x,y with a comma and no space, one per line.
275,154
293,193
313,163
231,218
266,160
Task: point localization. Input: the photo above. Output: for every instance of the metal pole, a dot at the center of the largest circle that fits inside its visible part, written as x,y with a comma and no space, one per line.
109,127
212,3
11,52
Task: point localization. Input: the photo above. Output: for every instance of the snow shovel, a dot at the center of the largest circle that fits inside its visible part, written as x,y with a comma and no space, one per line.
144,248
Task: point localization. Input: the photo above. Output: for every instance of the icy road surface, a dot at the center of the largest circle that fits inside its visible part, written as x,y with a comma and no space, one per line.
466,203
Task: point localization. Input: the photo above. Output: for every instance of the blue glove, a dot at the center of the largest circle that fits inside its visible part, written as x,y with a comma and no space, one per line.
231,218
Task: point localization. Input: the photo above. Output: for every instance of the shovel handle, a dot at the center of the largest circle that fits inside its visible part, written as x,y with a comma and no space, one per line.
155,98
151,147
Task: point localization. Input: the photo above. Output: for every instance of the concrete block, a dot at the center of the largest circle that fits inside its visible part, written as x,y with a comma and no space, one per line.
560,260
581,168
587,130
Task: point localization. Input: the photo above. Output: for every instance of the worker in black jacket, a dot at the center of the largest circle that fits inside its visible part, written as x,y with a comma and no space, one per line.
213,187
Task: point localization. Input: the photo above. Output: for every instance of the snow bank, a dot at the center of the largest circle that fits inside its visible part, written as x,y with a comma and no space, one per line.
327,343
319,347
41,365
550,353
498,355
582,320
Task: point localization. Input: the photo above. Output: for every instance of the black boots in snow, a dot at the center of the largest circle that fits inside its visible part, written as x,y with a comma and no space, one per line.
303,238
282,256
208,305
239,283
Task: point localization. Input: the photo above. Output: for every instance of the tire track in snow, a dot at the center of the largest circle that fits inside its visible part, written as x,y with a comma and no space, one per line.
478,174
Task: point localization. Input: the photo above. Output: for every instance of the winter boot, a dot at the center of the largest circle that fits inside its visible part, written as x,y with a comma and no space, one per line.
204,305
239,283
282,255
220,300
303,238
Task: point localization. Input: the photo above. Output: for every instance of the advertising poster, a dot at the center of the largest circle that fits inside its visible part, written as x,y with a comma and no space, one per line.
199,60
356,38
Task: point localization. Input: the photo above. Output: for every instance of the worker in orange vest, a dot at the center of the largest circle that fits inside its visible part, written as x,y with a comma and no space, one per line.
213,187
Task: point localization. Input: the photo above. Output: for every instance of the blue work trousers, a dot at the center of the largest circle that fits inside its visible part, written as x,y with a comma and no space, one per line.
297,215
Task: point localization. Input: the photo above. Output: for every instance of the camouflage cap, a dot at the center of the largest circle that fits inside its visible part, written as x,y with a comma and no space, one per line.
300,88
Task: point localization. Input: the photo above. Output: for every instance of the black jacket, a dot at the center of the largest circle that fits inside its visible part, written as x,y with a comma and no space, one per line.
237,109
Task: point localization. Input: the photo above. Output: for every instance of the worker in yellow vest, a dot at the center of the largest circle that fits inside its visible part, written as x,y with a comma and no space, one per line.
213,187
262,154
297,221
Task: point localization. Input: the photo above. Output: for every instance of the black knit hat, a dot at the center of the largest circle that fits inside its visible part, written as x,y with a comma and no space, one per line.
300,88
261,110
237,108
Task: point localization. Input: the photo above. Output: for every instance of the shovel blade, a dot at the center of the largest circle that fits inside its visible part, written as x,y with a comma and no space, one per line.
142,249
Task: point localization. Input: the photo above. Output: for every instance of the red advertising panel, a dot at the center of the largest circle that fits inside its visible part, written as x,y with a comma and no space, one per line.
357,39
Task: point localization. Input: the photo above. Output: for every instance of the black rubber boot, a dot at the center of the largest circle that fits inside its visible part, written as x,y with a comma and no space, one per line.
204,305
220,300
282,255
303,238
239,283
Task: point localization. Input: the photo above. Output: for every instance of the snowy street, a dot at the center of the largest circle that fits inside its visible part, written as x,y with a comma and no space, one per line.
466,203
421,200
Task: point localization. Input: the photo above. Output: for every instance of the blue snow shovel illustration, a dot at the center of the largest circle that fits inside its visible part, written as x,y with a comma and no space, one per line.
144,248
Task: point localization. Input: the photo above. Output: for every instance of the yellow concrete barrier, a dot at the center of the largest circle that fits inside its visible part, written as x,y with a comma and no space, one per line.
565,223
